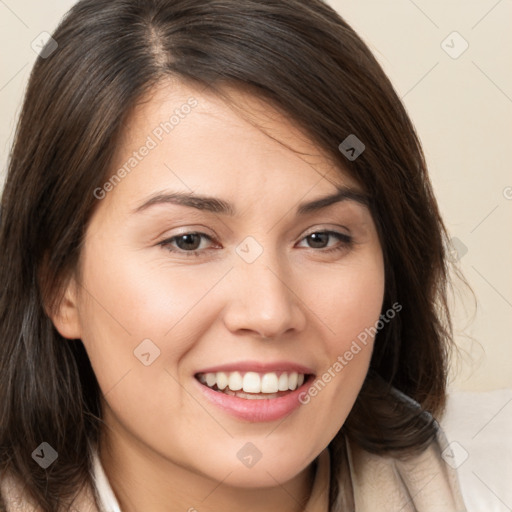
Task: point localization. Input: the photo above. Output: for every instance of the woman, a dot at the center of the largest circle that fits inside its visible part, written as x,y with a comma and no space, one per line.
295,356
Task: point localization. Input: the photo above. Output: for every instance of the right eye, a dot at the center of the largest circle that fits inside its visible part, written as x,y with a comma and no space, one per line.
187,243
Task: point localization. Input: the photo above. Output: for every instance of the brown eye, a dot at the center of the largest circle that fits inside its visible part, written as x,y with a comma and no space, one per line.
189,241
186,243
319,240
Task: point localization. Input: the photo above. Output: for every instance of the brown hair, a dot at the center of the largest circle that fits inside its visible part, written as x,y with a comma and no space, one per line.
301,57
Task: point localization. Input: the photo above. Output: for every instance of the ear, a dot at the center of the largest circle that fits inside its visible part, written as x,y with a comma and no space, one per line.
64,314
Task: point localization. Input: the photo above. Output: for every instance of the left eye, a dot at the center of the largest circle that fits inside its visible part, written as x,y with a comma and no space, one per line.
319,237
188,243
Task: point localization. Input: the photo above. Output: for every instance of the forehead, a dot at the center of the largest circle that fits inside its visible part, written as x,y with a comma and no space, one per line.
200,141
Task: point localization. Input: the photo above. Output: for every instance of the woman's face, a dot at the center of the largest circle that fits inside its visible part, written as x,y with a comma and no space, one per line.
257,298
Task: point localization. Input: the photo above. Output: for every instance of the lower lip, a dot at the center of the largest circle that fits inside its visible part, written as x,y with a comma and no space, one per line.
265,409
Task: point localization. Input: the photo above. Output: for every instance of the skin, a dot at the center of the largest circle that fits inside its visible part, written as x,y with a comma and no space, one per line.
165,446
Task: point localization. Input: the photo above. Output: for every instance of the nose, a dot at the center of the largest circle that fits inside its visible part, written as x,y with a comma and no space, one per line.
263,298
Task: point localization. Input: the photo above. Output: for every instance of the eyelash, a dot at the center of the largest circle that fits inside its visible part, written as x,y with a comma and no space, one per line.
346,242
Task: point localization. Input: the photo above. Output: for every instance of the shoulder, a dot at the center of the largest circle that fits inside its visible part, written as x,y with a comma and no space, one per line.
13,498
420,483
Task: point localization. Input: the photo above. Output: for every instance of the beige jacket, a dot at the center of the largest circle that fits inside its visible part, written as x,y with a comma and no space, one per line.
426,483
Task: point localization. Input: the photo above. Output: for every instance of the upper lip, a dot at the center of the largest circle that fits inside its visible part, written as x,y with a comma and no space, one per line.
258,367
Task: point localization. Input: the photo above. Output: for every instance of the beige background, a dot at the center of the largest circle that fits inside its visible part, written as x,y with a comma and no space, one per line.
461,108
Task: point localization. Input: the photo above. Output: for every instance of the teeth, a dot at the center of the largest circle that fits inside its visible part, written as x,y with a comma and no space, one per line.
292,380
222,380
269,383
235,382
253,382
283,382
250,396
211,379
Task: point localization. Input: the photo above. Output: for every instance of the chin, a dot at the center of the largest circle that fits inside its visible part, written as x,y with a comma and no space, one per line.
270,471
260,475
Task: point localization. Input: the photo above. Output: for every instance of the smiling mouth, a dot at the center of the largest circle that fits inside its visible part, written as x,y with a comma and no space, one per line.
253,385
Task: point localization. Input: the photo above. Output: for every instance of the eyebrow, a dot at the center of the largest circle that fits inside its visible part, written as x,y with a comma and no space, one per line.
217,205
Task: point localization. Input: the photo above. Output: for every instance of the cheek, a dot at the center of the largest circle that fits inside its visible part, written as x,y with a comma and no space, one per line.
350,300
133,306
351,306
136,297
